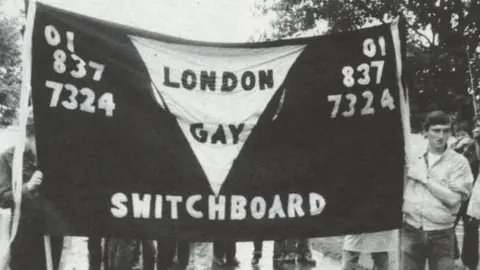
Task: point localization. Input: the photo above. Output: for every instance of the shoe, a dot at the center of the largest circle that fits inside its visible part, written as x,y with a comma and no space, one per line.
307,258
233,262
220,262
290,258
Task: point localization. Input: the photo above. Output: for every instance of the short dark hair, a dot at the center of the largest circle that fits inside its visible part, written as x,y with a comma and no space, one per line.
436,118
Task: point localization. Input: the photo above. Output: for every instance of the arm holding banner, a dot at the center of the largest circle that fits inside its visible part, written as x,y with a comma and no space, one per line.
6,194
457,188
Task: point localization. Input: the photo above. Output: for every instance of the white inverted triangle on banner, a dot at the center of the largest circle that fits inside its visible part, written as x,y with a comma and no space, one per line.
217,94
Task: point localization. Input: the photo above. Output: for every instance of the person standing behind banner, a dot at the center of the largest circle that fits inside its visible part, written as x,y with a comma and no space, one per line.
166,250
224,253
466,146
95,254
27,251
438,180
183,250
377,244
257,252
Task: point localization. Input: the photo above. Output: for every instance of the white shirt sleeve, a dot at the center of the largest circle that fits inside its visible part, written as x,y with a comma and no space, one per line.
473,208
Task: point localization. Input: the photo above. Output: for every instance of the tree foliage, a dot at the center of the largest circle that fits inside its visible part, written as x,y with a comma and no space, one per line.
442,40
10,66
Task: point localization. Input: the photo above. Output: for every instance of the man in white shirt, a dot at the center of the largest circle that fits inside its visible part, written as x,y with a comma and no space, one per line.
438,181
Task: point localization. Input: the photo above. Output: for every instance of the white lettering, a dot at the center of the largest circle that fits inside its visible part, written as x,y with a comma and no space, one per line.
276,209
317,203
295,205
119,209
258,207
216,208
174,200
237,207
189,204
141,207
158,206
240,206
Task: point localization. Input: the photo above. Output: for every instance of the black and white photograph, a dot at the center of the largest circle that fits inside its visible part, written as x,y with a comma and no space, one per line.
239,134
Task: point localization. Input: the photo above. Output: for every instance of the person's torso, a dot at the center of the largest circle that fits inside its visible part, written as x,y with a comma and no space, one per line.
421,207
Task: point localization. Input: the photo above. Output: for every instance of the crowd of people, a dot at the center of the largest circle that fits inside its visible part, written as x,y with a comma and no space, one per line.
439,191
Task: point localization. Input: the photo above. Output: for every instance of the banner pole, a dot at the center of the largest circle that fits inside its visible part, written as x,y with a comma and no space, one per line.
48,251
17,163
405,113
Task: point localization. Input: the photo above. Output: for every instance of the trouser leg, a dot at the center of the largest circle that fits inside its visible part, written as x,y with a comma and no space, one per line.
219,249
257,249
94,253
148,254
56,243
470,243
230,250
303,246
414,251
183,250
27,250
440,250
278,249
165,253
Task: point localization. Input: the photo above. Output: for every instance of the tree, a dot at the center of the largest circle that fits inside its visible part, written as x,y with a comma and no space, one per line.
10,66
441,33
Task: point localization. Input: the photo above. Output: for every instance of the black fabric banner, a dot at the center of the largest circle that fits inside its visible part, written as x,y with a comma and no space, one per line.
144,135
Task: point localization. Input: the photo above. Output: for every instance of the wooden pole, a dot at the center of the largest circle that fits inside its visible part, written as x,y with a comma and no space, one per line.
48,251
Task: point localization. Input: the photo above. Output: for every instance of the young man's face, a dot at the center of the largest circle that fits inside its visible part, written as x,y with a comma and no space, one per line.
437,136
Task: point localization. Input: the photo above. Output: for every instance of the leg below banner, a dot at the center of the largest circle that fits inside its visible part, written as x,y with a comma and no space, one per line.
183,251
414,252
257,252
470,243
28,248
440,249
95,253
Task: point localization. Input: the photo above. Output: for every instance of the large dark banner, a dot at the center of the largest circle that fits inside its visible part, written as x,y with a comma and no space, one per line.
144,135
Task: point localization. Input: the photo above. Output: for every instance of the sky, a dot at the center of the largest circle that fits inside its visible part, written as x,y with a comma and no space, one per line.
205,20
